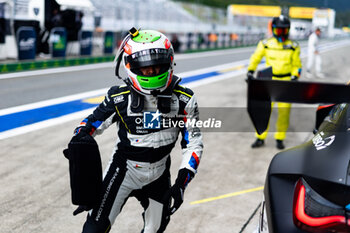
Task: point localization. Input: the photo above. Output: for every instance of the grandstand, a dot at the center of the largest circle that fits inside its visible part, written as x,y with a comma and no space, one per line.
118,15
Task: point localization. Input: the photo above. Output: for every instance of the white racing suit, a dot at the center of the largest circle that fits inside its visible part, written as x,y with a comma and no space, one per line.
140,164
313,54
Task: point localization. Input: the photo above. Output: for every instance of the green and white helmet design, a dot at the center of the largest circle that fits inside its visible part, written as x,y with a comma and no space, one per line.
145,49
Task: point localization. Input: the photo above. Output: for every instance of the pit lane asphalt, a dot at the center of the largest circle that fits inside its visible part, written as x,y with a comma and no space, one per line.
35,194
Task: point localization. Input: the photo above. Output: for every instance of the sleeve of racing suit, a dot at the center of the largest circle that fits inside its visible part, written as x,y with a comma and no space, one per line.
101,118
257,56
192,145
296,62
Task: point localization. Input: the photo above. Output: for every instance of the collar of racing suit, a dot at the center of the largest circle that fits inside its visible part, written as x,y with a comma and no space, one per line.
164,98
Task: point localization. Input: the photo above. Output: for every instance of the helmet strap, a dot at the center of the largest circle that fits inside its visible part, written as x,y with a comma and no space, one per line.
164,98
164,102
137,101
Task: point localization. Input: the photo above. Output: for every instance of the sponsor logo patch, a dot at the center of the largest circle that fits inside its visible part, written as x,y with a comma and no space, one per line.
36,11
118,99
184,98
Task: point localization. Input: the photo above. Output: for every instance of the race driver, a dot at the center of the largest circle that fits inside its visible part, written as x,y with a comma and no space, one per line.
283,55
140,164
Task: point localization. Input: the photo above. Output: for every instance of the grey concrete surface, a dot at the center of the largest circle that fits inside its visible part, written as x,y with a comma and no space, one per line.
35,193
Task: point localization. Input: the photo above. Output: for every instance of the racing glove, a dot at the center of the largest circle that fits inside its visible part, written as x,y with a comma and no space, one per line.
294,78
80,134
177,190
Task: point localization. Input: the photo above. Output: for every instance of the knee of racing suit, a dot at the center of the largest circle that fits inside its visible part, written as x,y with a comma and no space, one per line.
103,225
165,219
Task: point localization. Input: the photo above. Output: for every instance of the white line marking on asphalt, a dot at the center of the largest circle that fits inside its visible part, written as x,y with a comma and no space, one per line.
184,75
212,53
56,70
45,124
53,101
110,64
215,78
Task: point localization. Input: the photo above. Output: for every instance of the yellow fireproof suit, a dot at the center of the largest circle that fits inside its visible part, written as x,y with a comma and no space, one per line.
284,58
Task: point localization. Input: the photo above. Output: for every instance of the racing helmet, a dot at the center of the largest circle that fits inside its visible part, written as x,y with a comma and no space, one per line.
280,28
147,49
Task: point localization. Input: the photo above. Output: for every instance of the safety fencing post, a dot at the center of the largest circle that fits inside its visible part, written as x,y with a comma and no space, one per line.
85,40
58,42
26,43
108,42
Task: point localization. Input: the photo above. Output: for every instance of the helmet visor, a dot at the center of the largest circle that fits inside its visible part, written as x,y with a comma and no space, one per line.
150,57
280,31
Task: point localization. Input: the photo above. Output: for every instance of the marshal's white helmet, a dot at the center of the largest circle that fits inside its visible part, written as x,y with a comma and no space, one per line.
146,48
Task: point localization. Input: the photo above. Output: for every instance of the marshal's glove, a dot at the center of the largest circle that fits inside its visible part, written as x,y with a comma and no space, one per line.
250,74
294,78
177,190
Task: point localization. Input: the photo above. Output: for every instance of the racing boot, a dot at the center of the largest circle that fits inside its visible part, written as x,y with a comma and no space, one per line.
279,144
258,143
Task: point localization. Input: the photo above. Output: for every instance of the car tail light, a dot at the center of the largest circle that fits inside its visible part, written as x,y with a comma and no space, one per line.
313,213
